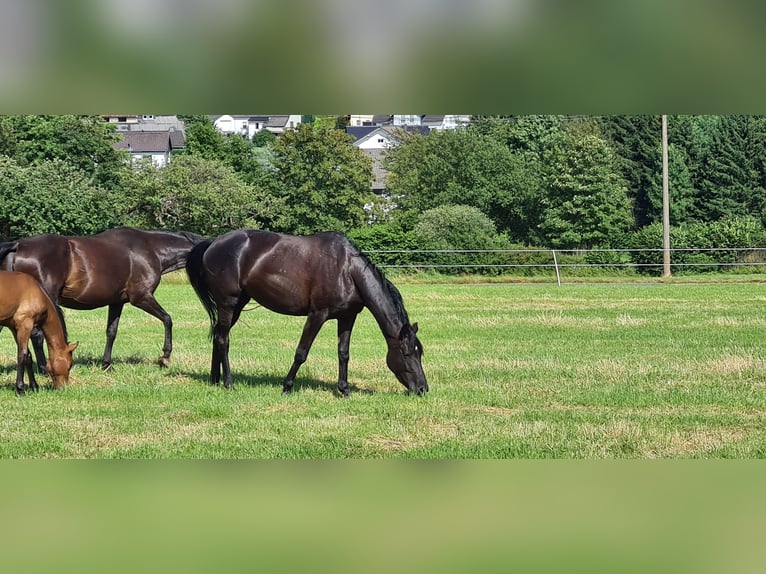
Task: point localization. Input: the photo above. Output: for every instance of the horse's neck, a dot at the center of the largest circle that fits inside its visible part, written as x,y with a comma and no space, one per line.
52,328
380,302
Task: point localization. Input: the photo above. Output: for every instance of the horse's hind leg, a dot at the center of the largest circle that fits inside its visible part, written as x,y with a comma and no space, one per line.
147,302
228,314
314,322
33,386
24,363
37,343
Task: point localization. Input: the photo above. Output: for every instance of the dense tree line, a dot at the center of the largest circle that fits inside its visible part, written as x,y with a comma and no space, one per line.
548,181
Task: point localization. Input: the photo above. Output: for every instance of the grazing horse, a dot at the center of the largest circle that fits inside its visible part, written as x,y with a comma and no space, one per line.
25,306
115,267
321,276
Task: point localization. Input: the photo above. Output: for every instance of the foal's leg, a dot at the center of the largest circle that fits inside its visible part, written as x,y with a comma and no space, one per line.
345,325
146,302
115,311
314,322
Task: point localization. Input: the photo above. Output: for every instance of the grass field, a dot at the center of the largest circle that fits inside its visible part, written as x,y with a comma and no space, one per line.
516,371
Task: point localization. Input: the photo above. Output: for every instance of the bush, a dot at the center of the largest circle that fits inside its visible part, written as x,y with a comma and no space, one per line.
51,197
459,227
384,237
698,244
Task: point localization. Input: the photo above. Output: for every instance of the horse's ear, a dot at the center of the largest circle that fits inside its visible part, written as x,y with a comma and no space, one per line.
415,328
72,346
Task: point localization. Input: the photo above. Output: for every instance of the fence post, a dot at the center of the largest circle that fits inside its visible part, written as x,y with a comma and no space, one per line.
556,265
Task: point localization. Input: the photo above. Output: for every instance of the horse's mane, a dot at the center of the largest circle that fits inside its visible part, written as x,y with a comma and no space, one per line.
389,287
193,237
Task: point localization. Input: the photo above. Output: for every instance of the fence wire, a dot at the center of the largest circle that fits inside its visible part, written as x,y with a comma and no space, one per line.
501,259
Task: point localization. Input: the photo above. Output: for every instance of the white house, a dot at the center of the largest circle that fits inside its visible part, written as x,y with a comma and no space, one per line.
280,124
157,146
374,141
250,125
445,122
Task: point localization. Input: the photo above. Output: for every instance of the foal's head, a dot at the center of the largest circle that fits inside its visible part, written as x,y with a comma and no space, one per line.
404,359
60,363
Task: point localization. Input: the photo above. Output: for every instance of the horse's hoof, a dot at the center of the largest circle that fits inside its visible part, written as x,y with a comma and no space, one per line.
286,392
20,392
106,366
164,362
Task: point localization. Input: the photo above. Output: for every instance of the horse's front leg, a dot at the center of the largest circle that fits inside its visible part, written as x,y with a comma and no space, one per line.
112,322
314,322
345,325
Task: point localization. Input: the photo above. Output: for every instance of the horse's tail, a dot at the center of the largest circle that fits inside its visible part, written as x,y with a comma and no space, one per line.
196,273
8,247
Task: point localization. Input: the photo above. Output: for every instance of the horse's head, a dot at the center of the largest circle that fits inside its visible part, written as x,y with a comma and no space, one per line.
404,359
60,363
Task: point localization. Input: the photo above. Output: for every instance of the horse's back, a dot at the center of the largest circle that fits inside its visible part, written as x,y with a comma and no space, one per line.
288,274
44,257
20,296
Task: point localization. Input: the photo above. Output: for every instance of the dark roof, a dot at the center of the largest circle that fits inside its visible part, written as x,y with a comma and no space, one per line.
391,132
381,119
432,119
277,121
359,132
148,142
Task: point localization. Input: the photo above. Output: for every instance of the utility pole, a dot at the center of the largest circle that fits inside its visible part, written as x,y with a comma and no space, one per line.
665,201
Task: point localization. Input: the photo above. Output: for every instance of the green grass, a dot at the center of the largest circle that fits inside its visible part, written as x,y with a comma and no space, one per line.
673,370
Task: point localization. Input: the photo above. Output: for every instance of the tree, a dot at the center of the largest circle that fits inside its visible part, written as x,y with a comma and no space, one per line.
464,167
320,181
192,194
636,139
731,182
85,142
587,204
681,189
262,138
51,196
202,137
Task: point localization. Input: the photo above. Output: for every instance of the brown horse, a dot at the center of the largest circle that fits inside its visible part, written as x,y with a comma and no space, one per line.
321,277
112,268
24,306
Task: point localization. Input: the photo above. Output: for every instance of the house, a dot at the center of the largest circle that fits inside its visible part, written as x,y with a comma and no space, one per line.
432,122
158,146
144,122
370,120
374,141
445,122
232,124
280,124
249,125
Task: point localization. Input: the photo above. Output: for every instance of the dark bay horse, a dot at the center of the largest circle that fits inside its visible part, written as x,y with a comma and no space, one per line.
25,306
112,268
321,276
